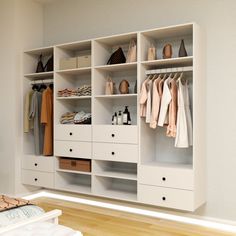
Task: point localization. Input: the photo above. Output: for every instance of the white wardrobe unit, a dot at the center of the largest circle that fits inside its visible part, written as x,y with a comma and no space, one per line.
129,162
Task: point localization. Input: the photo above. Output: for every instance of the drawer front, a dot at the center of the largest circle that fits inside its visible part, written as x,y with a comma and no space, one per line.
115,152
115,134
166,197
73,132
73,149
45,164
38,178
166,177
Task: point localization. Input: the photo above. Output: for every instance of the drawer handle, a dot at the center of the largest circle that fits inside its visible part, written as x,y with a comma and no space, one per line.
35,179
163,178
35,164
71,150
113,135
71,133
163,198
113,153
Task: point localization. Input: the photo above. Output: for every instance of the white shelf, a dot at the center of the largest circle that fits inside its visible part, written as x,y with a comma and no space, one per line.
77,71
180,61
118,194
73,171
39,75
116,96
116,174
169,165
73,98
42,50
76,188
117,67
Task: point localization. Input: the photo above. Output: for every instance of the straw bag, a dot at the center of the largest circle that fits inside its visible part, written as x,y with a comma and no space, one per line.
109,88
151,53
124,87
132,52
167,51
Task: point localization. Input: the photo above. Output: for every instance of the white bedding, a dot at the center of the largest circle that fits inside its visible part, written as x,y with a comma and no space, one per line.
43,229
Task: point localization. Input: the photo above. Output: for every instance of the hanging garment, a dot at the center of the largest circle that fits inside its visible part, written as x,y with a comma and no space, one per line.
143,98
165,101
149,101
171,128
156,99
27,123
184,122
35,114
47,121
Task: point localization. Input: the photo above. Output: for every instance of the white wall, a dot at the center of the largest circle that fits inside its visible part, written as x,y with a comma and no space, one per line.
71,20
21,24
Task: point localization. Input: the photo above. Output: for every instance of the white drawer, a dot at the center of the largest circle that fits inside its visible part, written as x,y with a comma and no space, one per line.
73,149
44,163
38,178
115,152
166,197
166,177
73,132
115,134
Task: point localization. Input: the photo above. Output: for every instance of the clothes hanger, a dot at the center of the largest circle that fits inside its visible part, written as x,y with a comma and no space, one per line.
42,86
35,86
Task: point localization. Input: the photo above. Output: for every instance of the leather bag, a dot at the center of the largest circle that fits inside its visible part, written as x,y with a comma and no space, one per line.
151,53
49,64
132,52
117,57
124,87
167,51
40,67
109,88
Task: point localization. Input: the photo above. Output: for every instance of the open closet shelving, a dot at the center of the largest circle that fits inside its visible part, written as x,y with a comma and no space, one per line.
133,162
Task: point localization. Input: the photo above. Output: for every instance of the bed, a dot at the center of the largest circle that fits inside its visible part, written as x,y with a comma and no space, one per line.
21,217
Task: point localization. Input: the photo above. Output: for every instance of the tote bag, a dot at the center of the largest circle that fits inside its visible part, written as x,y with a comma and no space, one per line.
132,52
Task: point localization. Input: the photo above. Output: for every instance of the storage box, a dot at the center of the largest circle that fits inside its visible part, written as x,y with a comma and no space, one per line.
84,61
68,63
75,164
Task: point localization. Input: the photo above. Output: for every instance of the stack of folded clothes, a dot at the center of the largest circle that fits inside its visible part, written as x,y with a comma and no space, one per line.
76,118
82,118
84,90
68,118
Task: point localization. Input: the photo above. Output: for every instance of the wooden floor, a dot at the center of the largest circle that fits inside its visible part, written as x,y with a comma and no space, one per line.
95,221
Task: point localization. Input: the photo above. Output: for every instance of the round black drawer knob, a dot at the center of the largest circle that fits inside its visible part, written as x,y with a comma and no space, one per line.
71,150
71,133
164,178
163,198
112,153
113,135
35,164
35,179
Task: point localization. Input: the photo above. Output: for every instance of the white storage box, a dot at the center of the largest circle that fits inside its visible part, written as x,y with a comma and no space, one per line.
68,63
84,61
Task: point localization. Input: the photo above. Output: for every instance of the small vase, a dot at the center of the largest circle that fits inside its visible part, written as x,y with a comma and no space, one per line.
167,51
182,50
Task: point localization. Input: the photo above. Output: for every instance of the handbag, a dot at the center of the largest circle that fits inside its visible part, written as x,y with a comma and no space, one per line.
49,64
40,67
117,57
151,53
109,88
182,50
132,52
167,51
124,87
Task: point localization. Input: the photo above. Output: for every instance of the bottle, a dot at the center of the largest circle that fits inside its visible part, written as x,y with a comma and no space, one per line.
115,119
129,118
125,116
119,120
112,120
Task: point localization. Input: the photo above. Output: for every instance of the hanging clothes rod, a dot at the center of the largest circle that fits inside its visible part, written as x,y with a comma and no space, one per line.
42,81
169,70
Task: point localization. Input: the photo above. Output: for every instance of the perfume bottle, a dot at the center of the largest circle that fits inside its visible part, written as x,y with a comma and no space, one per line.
115,119
129,118
119,119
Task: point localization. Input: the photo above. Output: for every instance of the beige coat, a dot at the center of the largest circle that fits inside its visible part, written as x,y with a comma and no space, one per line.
149,101
171,128
143,98
156,100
